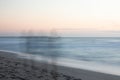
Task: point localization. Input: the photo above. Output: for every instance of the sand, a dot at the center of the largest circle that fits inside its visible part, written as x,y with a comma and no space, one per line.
14,68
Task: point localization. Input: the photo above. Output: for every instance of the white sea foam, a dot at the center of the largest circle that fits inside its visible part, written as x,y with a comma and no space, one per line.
98,67
103,68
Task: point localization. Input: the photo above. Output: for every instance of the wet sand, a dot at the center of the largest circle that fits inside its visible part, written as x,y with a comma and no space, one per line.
14,68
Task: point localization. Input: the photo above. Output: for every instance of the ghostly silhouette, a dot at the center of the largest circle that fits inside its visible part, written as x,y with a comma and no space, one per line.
54,51
46,46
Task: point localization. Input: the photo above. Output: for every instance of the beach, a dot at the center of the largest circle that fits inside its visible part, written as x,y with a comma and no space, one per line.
14,68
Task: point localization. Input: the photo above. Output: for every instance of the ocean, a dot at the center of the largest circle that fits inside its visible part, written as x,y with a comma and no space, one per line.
100,54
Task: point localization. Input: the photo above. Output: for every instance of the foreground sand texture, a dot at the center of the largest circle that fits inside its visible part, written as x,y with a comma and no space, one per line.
13,68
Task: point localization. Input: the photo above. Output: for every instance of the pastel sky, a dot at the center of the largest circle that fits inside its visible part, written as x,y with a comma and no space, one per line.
68,17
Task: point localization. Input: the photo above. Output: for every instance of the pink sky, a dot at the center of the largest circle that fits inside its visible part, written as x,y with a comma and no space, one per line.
71,17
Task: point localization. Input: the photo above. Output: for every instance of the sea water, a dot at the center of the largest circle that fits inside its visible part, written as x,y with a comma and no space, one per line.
93,53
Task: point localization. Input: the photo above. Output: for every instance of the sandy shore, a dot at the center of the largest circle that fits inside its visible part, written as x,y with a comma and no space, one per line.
14,68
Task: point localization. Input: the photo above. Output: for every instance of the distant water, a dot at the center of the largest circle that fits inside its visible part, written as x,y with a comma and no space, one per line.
79,52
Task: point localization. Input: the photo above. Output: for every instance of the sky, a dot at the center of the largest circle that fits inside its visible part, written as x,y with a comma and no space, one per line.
83,18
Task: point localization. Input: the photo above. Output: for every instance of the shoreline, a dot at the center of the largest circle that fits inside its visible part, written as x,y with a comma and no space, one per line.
72,73
106,69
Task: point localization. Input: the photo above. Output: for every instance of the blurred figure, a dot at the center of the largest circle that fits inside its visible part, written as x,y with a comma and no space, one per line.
45,46
54,51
